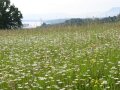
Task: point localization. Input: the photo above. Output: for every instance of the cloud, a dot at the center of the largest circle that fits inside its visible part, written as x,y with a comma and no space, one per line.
69,7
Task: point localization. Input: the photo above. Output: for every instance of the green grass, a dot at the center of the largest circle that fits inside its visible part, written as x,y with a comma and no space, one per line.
61,58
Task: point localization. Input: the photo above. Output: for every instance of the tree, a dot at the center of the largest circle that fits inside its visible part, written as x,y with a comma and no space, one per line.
44,24
10,16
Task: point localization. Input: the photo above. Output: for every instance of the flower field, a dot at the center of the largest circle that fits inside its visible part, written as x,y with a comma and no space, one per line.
61,58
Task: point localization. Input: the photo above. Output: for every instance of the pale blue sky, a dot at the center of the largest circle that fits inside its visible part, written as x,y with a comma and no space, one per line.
49,9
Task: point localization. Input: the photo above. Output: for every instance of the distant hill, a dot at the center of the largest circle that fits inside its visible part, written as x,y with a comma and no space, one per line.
112,12
34,20
55,21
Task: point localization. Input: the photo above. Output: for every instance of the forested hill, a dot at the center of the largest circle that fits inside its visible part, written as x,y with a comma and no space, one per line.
79,21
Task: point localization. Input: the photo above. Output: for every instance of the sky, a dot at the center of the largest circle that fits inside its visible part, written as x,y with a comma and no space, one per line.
55,9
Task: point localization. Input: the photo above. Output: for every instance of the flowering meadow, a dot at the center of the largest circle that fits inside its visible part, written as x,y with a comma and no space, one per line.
83,57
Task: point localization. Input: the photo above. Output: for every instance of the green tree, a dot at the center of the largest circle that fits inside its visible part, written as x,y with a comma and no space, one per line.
10,16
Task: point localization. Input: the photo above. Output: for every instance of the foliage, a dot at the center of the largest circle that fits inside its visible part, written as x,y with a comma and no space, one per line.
85,57
44,25
80,21
10,16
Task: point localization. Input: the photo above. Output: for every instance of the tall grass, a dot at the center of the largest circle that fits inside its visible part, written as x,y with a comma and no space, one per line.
61,58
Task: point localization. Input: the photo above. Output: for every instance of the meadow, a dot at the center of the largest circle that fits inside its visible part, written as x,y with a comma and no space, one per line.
83,57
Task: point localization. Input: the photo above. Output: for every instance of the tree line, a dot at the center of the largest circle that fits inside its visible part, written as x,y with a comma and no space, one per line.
79,21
